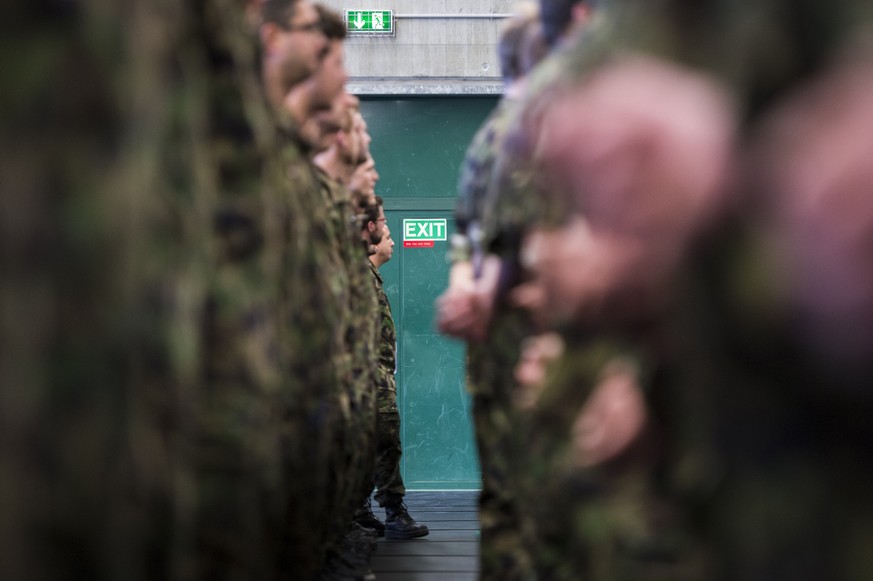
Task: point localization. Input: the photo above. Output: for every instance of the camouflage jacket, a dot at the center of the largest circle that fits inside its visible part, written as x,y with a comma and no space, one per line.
387,337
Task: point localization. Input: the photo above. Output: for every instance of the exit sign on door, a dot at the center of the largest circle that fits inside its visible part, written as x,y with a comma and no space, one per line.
423,232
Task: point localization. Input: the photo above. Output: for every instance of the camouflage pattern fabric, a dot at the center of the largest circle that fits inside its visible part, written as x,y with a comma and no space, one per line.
389,484
509,204
490,376
363,338
478,165
761,450
788,446
63,343
615,522
504,551
170,297
522,196
612,521
356,439
339,285
489,370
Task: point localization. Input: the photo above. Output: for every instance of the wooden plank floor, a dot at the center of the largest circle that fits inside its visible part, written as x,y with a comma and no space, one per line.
449,553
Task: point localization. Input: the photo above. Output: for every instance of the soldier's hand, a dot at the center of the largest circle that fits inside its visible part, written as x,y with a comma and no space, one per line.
537,353
613,417
465,309
456,312
460,314
455,306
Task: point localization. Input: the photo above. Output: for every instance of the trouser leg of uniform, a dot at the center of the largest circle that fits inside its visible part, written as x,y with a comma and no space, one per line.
388,481
503,554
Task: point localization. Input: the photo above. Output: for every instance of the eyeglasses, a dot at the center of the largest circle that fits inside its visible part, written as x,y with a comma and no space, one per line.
314,26
382,220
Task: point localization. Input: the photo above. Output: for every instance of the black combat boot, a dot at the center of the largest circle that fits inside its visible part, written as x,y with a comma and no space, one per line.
399,525
365,517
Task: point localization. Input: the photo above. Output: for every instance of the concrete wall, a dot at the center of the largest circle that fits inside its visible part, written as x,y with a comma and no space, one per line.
440,47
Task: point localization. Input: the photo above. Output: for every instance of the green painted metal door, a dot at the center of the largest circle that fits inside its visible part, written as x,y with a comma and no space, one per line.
418,144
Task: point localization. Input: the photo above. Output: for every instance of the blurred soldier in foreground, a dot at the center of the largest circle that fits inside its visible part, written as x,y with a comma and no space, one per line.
69,321
581,524
268,360
348,412
473,309
757,422
350,280
159,436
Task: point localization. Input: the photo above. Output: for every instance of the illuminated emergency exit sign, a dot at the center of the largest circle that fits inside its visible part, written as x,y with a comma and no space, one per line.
423,232
370,22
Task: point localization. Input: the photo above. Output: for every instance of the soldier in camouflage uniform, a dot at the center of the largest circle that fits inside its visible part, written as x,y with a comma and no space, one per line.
598,503
339,163
286,246
585,522
366,336
493,342
316,130
349,545
347,448
390,489
323,510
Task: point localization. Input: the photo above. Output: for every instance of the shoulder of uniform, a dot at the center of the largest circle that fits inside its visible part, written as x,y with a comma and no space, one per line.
375,271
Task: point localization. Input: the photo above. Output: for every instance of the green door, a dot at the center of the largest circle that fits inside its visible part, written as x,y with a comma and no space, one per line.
418,144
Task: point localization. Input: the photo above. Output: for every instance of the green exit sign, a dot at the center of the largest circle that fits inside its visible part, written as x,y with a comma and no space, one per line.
370,22
423,232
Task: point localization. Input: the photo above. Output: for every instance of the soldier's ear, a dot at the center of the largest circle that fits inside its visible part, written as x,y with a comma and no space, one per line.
269,35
